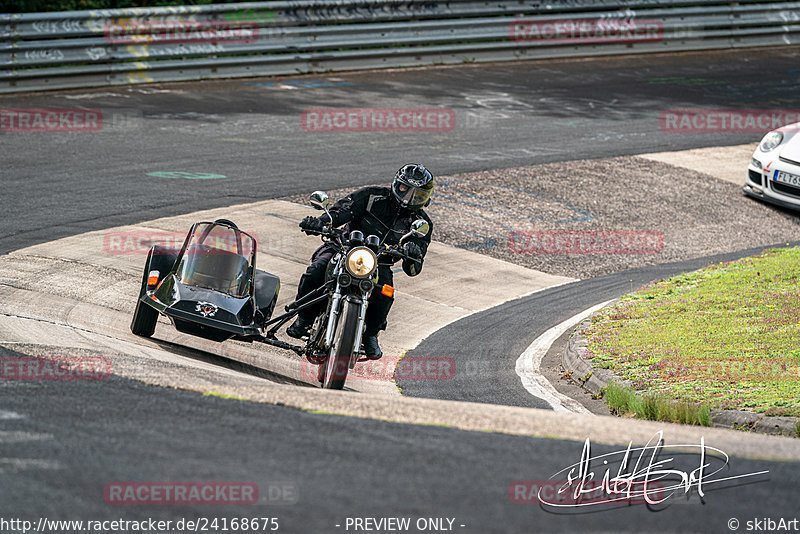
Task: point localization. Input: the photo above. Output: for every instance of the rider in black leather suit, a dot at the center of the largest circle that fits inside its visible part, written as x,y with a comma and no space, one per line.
386,212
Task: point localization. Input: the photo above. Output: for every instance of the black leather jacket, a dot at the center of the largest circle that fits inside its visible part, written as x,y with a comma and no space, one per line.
374,211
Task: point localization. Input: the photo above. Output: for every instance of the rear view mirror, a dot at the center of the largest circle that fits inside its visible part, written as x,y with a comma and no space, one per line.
420,228
320,200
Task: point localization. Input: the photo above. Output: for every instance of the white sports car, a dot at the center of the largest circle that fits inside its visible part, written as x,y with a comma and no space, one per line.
774,171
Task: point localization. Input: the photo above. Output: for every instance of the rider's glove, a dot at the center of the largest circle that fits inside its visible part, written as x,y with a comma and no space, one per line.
412,250
311,224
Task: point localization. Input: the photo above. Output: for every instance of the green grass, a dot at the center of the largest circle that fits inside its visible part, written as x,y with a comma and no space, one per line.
727,336
654,406
223,396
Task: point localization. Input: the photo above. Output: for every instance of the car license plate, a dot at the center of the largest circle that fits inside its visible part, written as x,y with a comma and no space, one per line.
786,178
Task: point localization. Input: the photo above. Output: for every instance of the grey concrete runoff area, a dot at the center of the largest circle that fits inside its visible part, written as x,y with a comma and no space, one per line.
539,148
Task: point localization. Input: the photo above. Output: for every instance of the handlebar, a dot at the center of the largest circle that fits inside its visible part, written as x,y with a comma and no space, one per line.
338,233
331,232
397,254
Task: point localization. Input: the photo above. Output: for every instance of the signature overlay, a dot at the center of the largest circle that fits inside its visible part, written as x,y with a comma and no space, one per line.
648,474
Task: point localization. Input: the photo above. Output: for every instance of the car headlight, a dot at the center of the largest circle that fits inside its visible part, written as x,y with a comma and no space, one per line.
770,141
361,262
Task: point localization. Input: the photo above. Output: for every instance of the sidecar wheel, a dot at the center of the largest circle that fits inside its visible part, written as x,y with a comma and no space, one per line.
144,320
144,317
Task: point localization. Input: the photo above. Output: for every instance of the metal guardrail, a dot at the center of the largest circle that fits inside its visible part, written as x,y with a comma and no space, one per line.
60,50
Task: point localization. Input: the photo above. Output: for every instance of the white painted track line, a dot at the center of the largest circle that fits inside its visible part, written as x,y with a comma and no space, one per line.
529,364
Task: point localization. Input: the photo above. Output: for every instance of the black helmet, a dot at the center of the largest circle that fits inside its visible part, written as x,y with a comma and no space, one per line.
413,186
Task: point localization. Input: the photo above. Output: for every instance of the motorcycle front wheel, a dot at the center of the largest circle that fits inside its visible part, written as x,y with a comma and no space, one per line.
338,363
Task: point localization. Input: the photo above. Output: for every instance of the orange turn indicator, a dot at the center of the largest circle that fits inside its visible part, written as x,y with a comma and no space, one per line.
387,290
152,280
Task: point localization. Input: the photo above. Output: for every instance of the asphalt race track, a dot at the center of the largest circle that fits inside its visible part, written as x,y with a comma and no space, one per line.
63,443
485,345
250,132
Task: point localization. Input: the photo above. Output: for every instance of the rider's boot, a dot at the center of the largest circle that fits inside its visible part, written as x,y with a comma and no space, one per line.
300,327
372,350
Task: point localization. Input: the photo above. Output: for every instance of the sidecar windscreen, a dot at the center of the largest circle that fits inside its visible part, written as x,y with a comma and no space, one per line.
218,258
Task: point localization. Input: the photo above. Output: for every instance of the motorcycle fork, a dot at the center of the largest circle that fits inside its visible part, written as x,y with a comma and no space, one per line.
335,307
362,315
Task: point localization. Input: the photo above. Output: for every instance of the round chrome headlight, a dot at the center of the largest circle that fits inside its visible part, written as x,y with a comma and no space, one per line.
361,262
770,141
